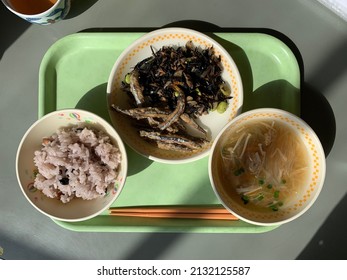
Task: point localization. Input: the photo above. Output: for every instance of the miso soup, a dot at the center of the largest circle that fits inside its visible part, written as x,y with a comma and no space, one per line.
264,164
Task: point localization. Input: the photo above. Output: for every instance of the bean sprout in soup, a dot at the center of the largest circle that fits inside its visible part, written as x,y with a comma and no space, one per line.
265,164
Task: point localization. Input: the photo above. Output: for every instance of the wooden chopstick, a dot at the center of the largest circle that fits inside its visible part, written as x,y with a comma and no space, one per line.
177,216
179,212
172,209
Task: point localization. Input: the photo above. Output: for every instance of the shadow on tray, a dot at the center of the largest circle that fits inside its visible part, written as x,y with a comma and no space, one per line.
95,101
315,110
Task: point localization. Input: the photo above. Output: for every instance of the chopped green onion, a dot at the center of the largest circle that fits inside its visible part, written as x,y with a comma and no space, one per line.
260,197
283,181
239,171
245,199
274,206
276,194
269,186
198,92
261,182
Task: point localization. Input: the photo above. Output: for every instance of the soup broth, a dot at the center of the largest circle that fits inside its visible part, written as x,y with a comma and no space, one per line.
31,7
264,165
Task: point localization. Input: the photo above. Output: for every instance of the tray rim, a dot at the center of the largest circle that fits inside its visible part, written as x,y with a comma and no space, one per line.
143,228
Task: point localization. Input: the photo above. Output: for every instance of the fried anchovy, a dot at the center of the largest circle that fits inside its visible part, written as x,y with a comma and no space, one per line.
172,147
180,105
135,87
192,123
191,143
142,113
174,128
152,112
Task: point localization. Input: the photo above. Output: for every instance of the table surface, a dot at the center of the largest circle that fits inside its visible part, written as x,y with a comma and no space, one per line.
320,37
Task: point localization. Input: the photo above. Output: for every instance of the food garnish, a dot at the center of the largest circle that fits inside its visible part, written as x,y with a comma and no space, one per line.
265,164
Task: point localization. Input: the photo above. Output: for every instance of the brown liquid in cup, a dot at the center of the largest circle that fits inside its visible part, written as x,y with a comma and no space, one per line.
31,7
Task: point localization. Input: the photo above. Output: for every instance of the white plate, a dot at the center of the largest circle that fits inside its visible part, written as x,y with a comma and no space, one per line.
141,49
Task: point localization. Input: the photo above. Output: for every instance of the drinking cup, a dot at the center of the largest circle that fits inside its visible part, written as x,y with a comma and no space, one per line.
41,12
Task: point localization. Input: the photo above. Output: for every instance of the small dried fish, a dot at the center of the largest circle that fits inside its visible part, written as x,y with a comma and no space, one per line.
151,114
143,112
135,87
153,117
190,122
172,88
190,143
172,147
180,105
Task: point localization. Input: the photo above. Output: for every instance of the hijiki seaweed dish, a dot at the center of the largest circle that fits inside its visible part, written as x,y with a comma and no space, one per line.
170,90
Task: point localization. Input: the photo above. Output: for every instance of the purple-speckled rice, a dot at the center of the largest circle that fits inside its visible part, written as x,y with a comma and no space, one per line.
76,162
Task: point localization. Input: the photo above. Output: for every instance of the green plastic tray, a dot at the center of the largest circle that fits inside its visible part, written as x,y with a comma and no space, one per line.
74,74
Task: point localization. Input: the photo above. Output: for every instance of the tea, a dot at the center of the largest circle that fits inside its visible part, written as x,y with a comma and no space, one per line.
31,7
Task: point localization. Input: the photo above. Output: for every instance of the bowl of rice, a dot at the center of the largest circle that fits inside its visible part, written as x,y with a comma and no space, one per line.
71,165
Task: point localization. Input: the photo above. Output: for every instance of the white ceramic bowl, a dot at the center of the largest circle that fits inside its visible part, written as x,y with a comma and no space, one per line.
77,209
306,195
140,50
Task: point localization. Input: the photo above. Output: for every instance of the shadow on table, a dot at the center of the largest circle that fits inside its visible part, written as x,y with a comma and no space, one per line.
95,101
327,243
12,27
317,112
19,250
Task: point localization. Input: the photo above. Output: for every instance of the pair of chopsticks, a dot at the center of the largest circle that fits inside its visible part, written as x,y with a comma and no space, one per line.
177,212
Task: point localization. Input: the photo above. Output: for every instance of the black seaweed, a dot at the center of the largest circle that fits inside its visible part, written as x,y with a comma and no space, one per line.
197,72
